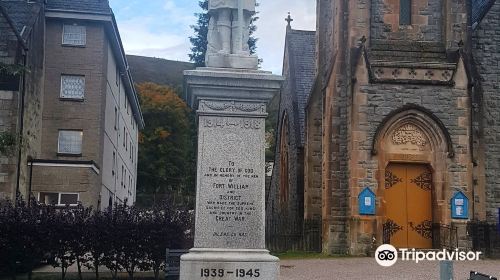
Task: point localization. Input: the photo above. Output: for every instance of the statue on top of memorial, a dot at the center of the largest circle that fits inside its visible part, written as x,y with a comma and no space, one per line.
228,34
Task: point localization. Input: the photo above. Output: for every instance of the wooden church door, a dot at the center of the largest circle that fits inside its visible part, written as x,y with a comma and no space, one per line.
408,200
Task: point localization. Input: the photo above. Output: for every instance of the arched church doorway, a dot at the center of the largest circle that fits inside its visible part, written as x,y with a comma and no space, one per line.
408,198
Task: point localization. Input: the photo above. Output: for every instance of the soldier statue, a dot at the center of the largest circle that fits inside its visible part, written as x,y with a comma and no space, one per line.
228,32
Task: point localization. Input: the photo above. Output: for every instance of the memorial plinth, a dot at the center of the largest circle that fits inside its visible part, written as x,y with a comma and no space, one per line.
230,197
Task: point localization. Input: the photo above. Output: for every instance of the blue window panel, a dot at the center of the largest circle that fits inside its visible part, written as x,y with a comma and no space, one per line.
460,206
367,202
405,12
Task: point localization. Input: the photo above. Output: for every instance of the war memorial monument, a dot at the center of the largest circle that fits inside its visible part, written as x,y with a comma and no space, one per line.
230,96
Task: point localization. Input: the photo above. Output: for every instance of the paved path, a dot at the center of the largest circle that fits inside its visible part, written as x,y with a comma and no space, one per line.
368,269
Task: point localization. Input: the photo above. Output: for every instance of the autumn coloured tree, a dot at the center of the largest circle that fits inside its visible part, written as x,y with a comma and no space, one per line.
166,151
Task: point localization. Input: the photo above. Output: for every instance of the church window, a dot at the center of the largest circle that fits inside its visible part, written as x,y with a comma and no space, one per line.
284,164
405,12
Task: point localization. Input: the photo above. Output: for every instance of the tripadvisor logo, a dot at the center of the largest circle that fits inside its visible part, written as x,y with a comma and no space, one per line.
387,255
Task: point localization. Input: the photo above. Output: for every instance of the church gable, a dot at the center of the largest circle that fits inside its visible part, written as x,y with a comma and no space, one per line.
299,71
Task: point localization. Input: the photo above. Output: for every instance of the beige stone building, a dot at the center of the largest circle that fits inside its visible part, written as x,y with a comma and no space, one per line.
89,115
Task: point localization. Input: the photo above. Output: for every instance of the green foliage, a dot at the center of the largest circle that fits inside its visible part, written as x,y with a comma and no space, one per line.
122,239
167,144
199,41
12,69
7,143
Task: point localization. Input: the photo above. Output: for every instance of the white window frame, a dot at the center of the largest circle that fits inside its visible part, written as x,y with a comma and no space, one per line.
61,94
59,197
59,143
83,41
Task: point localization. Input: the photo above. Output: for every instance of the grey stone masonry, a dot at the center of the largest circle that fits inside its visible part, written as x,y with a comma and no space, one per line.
426,21
486,51
230,188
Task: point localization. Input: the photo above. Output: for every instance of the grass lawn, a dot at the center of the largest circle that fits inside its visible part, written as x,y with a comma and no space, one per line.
305,256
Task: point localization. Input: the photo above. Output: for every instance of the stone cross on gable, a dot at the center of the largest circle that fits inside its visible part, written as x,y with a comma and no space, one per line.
289,19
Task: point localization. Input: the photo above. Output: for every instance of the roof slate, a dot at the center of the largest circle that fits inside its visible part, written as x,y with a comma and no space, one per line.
93,6
21,13
479,10
302,51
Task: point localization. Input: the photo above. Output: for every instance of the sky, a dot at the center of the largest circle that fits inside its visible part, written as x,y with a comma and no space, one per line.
161,28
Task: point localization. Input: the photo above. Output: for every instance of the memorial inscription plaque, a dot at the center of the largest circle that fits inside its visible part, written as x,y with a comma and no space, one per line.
231,175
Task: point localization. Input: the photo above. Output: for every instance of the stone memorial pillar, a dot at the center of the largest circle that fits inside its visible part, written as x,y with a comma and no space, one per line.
230,198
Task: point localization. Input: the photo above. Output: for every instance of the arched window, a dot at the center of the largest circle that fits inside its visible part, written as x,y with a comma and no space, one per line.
405,12
284,165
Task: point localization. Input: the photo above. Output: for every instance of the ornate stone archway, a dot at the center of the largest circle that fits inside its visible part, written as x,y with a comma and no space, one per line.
414,136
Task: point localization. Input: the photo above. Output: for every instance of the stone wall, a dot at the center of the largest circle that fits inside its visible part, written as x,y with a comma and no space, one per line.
486,51
8,124
32,129
426,21
312,158
9,53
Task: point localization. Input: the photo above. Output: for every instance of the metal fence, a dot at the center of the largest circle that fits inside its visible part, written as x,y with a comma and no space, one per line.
485,238
444,236
285,235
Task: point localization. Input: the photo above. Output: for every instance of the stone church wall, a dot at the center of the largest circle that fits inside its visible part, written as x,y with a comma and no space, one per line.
426,21
486,48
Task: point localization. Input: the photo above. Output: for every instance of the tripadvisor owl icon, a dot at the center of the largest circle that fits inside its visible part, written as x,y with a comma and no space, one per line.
386,255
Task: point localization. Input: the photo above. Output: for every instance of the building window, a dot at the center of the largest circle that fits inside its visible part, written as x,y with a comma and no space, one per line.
116,119
59,199
72,87
70,142
74,35
125,178
405,12
284,164
117,75
114,164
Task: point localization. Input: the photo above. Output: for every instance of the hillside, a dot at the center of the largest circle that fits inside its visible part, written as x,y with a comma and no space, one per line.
158,70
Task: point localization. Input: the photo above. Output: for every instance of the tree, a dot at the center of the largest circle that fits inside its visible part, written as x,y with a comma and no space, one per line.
167,144
23,236
199,41
166,227
61,235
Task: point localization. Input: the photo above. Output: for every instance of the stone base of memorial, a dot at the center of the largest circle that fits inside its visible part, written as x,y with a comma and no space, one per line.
229,264
230,197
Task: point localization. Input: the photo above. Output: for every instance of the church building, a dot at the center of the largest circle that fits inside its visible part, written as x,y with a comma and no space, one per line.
401,139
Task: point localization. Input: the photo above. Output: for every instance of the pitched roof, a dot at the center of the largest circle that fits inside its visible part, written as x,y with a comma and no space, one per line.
157,70
301,46
91,6
22,14
480,9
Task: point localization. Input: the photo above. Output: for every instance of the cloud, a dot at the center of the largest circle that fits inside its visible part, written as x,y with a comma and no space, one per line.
140,39
161,28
